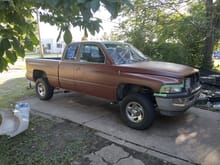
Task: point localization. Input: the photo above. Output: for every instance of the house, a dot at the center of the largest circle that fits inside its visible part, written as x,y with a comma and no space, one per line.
52,47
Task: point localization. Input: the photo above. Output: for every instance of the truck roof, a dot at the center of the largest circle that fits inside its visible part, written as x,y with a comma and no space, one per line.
98,41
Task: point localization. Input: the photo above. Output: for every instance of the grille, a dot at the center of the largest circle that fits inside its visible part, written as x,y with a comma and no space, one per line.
192,82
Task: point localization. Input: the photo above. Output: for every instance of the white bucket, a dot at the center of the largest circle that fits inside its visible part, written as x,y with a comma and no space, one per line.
16,121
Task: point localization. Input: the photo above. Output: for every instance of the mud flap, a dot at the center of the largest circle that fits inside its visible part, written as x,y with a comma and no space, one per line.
15,121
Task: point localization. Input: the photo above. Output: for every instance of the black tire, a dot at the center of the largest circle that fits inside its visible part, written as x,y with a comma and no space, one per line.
137,111
43,89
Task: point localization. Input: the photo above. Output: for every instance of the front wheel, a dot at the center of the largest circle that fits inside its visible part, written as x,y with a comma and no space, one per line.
43,89
137,111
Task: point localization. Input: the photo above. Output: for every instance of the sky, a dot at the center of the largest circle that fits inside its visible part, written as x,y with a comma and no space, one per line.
51,32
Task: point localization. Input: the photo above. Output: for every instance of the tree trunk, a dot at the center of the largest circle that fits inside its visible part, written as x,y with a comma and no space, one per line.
209,41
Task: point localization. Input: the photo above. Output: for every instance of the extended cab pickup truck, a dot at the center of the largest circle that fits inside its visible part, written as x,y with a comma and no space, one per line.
118,72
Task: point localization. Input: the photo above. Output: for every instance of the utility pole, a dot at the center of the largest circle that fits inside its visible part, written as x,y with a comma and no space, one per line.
41,51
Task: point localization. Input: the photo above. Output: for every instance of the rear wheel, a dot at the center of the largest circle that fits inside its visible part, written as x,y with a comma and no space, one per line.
43,89
137,111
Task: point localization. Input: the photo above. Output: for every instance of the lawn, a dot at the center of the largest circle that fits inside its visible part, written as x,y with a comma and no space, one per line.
13,85
49,141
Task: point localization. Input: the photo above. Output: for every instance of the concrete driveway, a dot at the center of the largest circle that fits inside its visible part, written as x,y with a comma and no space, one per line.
193,138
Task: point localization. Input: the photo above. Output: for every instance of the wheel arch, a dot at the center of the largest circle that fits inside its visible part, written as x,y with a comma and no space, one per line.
39,74
126,88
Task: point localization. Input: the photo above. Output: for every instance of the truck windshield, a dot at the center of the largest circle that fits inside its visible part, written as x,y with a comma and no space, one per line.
123,53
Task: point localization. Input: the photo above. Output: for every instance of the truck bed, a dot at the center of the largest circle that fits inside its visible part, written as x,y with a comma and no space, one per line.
50,58
50,66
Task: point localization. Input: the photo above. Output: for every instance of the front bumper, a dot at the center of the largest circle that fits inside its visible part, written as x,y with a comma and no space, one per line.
173,105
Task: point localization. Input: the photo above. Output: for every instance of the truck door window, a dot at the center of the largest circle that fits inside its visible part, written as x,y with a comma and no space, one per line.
71,52
91,53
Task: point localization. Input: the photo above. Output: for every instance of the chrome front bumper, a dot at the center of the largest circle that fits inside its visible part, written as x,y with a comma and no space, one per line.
174,105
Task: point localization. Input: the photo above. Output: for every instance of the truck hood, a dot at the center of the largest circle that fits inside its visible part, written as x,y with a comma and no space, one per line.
159,68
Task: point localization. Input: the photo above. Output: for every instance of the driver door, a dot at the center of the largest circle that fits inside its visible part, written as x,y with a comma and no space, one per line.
94,75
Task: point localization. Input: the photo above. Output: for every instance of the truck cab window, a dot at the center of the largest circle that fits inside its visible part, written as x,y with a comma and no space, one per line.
91,53
71,52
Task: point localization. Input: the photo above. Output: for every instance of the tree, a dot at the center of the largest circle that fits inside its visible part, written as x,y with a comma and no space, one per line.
212,32
139,27
17,27
17,24
153,27
176,31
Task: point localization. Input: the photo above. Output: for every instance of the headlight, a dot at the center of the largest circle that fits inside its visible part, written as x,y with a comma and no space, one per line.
172,88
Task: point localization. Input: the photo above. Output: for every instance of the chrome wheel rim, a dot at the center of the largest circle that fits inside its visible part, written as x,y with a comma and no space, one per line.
135,112
41,89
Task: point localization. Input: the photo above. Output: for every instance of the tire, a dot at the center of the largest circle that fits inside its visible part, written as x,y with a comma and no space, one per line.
43,89
137,111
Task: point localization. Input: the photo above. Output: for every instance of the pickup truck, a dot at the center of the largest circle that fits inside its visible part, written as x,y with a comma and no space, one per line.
121,73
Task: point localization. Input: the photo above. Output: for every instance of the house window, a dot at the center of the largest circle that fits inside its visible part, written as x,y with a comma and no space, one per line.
59,45
49,46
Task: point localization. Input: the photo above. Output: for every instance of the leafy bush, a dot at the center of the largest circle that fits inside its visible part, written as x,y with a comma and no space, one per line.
172,52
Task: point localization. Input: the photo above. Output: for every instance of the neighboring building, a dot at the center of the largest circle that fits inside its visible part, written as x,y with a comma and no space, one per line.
51,46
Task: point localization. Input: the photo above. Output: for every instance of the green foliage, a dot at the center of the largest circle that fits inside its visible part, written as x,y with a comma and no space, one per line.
67,37
18,27
48,141
165,31
79,13
16,31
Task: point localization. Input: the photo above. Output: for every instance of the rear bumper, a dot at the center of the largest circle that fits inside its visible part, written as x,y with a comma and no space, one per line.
175,105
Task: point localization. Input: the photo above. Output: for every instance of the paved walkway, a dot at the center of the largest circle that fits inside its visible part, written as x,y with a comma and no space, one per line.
188,139
113,155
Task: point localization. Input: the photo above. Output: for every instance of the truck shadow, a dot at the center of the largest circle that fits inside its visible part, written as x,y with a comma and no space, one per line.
92,103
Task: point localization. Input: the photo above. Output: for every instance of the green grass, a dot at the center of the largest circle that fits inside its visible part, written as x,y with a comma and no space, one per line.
47,142
14,90
13,85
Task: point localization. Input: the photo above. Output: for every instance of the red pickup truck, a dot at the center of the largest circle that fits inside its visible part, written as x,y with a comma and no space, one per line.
118,72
